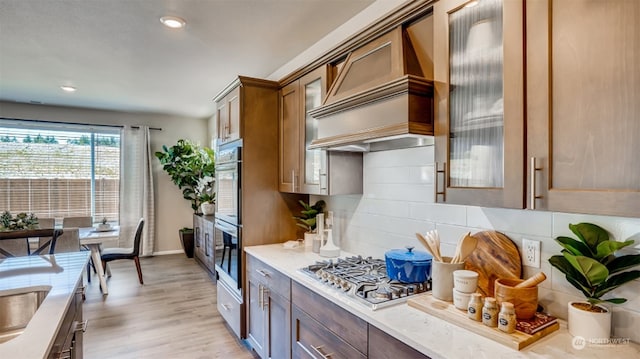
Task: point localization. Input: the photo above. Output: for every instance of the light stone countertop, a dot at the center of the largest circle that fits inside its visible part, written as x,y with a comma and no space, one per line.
431,336
61,273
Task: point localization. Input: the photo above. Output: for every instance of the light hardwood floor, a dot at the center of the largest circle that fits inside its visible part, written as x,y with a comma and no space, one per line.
173,315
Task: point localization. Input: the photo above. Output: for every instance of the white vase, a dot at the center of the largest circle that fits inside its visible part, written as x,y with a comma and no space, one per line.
308,238
589,325
207,208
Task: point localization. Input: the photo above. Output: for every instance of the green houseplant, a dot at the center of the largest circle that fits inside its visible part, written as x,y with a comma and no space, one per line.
192,169
188,164
307,217
591,265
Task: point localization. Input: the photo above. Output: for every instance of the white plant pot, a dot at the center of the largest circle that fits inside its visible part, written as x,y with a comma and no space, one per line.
207,208
589,325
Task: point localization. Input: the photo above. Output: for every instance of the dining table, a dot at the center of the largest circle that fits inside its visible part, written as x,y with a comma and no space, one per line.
93,237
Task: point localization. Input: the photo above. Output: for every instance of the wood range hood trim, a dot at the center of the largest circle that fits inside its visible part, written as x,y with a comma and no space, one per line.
394,106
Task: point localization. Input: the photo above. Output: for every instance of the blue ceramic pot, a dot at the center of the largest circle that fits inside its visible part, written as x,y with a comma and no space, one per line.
408,266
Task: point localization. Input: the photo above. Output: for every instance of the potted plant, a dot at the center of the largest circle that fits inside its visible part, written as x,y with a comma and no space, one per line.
188,164
591,265
307,218
21,221
206,195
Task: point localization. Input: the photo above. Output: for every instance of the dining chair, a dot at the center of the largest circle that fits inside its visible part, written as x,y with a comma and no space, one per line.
227,241
83,221
77,222
112,254
69,241
17,247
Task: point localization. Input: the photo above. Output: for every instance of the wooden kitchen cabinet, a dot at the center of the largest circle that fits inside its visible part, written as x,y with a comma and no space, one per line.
583,101
228,115
311,171
204,246
68,342
269,310
320,328
479,102
383,346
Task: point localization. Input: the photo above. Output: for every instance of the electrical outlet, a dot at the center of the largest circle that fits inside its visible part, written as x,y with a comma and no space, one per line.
531,253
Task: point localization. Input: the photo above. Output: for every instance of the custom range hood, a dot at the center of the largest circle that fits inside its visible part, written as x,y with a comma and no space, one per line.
380,100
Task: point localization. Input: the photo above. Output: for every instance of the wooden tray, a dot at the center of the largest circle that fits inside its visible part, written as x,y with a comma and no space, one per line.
446,311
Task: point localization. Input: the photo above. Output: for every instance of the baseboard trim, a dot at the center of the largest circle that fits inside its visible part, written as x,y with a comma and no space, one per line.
164,253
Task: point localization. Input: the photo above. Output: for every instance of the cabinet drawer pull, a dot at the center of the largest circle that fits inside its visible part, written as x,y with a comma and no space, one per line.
81,326
65,354
533,169
226,307
317,350
260,295
263,273
444,183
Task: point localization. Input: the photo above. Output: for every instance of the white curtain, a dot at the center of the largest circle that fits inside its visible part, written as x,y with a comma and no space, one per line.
136,188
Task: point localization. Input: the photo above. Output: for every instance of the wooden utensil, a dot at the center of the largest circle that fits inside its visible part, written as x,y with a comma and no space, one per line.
465,246
427,245
495,256
434,240
533,281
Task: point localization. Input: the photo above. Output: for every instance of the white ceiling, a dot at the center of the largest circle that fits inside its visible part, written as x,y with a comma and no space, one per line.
120,57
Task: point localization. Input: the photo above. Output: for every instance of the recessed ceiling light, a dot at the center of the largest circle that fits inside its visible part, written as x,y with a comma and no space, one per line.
173,22
68,88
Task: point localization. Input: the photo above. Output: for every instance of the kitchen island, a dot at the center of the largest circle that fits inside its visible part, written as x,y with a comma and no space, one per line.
59,274
429,335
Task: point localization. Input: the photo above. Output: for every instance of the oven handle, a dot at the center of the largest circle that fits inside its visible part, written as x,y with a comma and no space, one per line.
226,228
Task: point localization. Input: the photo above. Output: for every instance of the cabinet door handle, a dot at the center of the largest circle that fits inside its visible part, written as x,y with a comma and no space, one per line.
226,307
206,244
265,295
444,184
197,235
532,173
260,288
317,350
293,180
263,273
81,326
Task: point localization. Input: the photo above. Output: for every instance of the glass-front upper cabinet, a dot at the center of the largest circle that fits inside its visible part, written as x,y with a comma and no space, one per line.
313,88
479,85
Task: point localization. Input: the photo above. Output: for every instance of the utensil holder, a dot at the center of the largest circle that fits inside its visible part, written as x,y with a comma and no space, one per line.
442,278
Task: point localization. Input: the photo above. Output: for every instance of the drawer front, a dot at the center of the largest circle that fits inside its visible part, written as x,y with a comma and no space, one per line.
383,346
229,307
271,278
312,340
349,327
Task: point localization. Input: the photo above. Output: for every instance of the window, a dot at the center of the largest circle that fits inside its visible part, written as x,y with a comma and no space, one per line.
59,170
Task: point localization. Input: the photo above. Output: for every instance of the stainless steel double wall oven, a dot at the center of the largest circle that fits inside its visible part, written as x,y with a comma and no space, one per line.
228,222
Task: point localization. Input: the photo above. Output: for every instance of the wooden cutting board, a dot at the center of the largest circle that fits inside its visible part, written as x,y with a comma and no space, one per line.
496,256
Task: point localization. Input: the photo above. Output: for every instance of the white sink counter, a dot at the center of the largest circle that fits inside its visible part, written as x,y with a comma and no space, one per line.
432,336
60,272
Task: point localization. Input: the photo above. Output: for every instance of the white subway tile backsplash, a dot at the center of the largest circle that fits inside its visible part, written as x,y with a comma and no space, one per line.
441,213
535,223
399,192
398,201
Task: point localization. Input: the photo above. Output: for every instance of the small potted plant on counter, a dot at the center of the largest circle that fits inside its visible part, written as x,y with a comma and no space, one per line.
307,218
590,264
187,163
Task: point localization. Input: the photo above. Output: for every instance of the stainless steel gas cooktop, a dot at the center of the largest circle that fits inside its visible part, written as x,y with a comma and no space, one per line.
364,279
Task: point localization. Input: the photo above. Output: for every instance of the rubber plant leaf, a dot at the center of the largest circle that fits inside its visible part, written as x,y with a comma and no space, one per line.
607,248
615,281
593,271
576,248
590,234
623,263
571,274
